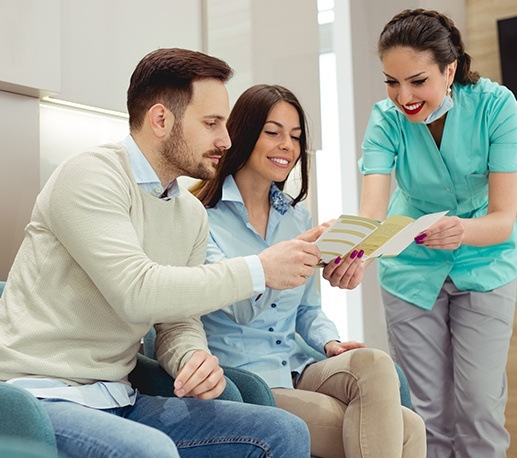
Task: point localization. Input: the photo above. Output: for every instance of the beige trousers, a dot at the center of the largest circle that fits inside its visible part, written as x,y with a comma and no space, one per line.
351,404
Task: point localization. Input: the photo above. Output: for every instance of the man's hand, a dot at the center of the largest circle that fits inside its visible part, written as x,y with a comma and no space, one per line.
288,264
312,234
201,377
334,347
345,273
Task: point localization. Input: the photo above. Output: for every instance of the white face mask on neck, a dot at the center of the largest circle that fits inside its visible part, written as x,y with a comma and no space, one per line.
444,107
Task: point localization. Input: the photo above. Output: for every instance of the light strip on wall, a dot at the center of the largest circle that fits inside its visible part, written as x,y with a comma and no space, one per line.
87,108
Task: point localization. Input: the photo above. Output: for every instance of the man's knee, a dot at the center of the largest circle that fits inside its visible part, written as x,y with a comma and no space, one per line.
289,432
153,444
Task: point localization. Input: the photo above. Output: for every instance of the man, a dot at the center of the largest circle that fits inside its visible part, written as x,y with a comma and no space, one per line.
115,246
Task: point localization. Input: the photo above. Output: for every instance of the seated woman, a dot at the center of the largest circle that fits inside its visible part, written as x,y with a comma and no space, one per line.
351,400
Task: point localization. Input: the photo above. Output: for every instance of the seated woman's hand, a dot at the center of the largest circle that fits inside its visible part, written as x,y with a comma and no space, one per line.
334,347
345,273
312,234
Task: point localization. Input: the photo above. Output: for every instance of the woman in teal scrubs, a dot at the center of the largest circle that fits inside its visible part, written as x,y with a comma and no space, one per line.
451,138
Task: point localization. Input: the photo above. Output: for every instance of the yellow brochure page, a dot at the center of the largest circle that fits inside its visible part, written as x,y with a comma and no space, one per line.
403,231
386,231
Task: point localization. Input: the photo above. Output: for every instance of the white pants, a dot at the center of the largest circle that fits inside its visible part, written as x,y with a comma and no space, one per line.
455,358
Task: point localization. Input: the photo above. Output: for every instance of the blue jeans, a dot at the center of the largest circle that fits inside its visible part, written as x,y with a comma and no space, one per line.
169,427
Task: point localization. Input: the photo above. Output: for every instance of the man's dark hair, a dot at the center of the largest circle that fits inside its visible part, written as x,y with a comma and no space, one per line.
166,76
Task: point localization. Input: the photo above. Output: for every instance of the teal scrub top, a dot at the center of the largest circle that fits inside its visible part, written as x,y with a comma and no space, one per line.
479,137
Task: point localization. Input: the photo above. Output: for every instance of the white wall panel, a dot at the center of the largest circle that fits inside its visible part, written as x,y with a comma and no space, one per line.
102,41
285,44
228,36
29,47
66,131
19,171
272,42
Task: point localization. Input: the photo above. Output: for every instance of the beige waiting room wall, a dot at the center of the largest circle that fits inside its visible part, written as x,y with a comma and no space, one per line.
482,16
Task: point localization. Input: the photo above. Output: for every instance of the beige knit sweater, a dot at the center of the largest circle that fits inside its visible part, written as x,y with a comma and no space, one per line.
101,262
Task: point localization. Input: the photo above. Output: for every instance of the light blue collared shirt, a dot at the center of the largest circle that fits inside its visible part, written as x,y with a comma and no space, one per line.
258,334
100,395
145,176
107,395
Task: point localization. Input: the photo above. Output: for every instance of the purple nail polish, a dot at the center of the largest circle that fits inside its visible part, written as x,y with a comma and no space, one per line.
353,255
337,260
360,255
420,237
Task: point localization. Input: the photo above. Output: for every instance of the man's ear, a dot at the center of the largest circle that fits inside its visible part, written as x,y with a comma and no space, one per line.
160,120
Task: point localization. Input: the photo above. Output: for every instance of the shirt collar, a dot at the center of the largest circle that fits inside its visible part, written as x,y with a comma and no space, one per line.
277,199
144,174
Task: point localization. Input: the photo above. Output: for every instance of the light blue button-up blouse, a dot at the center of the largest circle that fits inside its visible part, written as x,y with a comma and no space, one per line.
258,334
480,136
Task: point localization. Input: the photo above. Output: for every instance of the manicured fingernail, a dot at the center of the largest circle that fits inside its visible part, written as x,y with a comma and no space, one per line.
337,260
360,255
420,237
353,255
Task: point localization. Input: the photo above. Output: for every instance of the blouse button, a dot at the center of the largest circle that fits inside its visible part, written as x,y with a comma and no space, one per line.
271,329
284,363
278,342
273,305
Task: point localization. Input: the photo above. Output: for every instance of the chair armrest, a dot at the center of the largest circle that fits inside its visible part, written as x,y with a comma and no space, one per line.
307,349
24,419
148,377
253,389
405,396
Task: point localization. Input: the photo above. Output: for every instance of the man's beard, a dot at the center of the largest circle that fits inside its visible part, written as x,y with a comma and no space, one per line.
179,159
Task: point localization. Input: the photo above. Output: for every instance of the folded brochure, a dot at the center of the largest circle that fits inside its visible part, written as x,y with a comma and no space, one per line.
376,238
